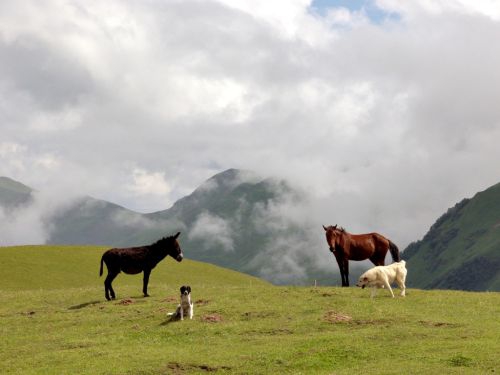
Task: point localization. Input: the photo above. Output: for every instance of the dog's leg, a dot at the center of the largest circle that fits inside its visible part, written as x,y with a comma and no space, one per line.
191,311
374,291
388,285
402,286
182,313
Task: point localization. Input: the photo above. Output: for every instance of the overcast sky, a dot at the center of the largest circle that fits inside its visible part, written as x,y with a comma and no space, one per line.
386,112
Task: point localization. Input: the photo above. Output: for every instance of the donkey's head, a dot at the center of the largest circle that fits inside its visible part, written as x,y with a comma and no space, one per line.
174,249
168,246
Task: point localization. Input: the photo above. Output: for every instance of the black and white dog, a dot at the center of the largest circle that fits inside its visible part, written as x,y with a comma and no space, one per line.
186,307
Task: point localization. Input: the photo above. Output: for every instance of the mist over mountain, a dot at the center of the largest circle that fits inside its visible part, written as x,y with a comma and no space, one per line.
260,226
235,219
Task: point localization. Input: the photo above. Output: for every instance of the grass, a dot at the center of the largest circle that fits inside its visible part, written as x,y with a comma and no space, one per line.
54,320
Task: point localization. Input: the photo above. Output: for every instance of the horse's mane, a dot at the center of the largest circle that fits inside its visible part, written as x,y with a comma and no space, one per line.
340,229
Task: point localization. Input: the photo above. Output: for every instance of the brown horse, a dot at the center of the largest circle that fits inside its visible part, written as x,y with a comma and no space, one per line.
134,260
346,246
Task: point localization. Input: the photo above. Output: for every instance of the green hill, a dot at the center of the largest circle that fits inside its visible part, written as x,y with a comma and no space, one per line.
55,321
462,248
65,267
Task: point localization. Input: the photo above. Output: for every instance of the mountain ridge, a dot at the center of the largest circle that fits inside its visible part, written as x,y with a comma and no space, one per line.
461,250
237,219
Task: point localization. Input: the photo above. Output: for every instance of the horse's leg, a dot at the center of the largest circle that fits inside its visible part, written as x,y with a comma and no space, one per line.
377,260
346,271
107,285
340,262
147,272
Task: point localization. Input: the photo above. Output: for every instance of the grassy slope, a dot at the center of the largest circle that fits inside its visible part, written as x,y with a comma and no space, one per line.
48,328
460,251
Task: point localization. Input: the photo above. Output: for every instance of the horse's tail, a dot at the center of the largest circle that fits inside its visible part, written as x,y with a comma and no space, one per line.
394,251
102,259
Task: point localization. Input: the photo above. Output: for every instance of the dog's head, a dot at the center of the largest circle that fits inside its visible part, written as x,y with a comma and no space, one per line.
363,281
185,290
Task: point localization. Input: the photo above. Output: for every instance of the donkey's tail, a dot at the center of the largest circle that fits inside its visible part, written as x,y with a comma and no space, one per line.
394,251
102,259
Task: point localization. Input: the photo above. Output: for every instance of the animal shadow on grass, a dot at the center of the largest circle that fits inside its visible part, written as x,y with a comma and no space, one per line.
82,305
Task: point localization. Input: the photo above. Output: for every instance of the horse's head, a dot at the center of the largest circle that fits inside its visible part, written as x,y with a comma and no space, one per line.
174,249
333,236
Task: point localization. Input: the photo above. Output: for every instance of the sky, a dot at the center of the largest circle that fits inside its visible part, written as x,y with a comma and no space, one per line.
385,113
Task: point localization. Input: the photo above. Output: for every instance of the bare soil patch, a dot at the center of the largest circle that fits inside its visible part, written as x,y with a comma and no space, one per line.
181,368
436,324
201,302
336,317
212,318
125,302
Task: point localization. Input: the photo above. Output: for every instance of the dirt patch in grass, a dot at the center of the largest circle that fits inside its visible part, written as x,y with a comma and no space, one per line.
249,315
336,317
212,318
125,302
201,302
270,332
436,324
181,368
171,299
385,322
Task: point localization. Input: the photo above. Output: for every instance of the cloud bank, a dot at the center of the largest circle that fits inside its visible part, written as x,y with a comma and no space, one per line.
385,124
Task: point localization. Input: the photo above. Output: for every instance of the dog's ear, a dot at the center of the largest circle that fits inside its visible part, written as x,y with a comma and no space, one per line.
188,289
182,289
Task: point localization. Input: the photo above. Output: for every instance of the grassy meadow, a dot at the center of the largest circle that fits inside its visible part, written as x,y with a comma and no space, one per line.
55,320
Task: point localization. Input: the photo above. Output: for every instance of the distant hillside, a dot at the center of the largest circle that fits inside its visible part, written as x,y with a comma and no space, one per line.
233,219
230,220
462,248
13,193
60,267
239,220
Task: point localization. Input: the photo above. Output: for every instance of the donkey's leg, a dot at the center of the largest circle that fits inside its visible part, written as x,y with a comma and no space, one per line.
107,285
147,272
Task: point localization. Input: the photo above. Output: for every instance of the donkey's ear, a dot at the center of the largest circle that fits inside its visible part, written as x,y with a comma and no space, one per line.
177,235
325,228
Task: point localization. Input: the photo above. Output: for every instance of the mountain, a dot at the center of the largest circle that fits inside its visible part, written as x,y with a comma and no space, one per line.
239,220
90,221
13,193
235,219
462,248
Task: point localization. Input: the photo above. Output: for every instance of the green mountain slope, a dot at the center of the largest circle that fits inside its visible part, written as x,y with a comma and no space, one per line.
227,221
90,221
462,249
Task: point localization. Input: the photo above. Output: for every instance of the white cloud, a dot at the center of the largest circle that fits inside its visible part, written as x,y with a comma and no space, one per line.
149,183
212,231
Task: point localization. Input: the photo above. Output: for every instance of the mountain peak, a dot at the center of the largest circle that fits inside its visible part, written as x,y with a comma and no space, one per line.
7,183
